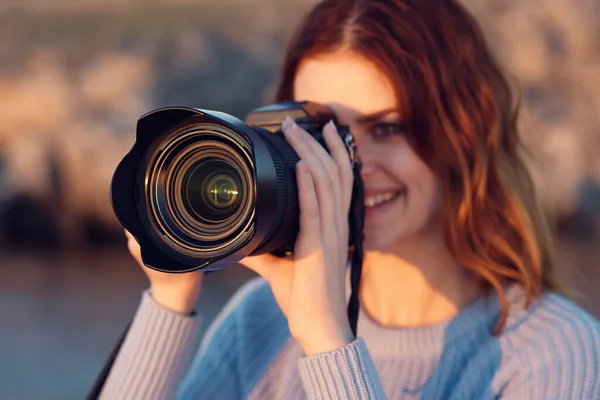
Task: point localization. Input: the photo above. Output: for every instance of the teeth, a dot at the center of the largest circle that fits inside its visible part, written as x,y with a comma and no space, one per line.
373,201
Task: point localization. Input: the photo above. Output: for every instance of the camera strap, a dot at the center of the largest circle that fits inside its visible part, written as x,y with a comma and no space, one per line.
94,393
356,222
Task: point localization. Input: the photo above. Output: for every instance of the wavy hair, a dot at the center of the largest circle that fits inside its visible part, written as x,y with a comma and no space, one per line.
464,127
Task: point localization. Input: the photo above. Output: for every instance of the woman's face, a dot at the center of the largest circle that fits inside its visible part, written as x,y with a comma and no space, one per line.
401,192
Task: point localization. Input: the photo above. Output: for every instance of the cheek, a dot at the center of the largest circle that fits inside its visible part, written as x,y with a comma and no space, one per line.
404,166
423,187
404,163
426,201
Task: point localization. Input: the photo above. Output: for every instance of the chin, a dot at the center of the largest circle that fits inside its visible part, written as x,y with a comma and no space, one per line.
378,241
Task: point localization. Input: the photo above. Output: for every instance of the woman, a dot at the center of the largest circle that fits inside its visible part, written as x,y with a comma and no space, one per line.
458,294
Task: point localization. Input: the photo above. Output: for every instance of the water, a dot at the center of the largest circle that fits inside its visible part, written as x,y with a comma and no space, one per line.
62,313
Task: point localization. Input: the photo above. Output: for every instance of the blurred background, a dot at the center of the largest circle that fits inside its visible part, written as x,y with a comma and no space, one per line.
75,75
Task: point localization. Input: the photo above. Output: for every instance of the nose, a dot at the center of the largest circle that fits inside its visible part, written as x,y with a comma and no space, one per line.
366,156
368,166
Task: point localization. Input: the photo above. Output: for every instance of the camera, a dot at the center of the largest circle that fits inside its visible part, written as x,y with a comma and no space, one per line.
201,189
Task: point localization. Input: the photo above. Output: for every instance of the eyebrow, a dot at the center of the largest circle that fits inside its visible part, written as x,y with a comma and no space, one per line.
374,117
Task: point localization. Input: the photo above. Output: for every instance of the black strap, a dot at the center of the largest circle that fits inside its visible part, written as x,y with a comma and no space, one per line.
97,389
356,222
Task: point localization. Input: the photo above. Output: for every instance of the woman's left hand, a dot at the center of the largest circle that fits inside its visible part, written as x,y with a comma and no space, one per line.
310,286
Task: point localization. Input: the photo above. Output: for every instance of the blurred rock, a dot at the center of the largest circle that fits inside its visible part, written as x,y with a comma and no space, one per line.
585,221
551,48
76,76
28,222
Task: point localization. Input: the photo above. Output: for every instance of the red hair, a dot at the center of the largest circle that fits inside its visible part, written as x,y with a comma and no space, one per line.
464,127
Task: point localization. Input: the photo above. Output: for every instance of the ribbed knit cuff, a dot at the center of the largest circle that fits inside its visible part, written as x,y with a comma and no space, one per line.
155,354
346,373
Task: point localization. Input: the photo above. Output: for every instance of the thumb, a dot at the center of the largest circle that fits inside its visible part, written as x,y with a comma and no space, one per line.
265,264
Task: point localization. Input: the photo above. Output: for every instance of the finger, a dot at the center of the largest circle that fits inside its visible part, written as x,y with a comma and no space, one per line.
320,181
310,219
134,247
264,264
332,218
340,155
310,149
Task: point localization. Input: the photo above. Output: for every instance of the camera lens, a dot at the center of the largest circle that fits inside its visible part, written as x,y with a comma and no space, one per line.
212,190
200,189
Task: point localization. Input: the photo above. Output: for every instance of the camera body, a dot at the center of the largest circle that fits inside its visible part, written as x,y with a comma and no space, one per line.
201,189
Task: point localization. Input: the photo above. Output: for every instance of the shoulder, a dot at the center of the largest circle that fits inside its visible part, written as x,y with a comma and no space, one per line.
251,312
241,344
554,320
552,347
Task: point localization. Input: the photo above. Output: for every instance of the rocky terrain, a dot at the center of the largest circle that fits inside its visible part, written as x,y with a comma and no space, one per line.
76,75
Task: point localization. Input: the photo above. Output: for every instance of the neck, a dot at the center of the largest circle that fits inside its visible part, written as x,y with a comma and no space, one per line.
418,283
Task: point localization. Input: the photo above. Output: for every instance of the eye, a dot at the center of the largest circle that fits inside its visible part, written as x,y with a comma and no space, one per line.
387,130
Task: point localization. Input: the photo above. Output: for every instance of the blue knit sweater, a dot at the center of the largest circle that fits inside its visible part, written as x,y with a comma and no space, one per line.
548,351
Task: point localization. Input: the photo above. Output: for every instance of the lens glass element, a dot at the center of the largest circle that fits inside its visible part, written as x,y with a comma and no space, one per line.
200,189
212,190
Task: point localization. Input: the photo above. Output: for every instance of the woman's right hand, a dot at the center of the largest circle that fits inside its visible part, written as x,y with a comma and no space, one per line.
177,292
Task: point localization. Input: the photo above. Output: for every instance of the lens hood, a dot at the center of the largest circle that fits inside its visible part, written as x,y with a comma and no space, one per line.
130,187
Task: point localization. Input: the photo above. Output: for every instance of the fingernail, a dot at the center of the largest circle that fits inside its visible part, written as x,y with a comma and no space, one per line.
288,123
303,166
332,126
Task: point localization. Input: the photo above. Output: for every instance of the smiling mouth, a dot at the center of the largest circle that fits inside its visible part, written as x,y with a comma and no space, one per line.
380,199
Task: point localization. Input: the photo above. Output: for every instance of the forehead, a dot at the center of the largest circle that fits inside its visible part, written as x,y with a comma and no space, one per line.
345,82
